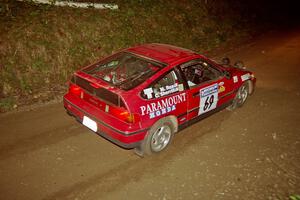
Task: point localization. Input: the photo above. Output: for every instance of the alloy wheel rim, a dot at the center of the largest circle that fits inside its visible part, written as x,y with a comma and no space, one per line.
243,94
161,138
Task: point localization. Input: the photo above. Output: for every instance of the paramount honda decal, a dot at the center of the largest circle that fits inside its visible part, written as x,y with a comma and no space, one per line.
162,106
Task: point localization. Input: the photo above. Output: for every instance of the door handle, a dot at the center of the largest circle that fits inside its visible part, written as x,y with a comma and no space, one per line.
196,94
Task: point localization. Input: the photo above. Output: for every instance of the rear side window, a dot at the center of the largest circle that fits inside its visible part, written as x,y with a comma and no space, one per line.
166,85
124,70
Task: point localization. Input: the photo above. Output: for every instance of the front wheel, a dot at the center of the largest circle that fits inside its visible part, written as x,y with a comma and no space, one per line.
157,138
241,97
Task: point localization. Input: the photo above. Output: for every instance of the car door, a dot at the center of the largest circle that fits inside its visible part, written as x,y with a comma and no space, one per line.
207,87
165,96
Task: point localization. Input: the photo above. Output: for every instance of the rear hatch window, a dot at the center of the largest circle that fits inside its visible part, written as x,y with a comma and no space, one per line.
101,93
124,70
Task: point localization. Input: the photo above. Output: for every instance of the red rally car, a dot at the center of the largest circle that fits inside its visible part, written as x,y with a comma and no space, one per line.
141,96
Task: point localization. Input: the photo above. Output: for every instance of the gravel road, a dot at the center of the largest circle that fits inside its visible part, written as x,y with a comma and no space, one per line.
250,153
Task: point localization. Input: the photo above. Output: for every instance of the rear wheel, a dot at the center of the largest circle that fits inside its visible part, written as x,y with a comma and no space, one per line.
157,138
241,97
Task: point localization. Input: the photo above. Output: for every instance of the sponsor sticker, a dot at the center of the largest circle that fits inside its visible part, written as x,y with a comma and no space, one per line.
221,88
235,79
245,77
180,87
168,89
148,92
208,90
162,91
208,98
162,106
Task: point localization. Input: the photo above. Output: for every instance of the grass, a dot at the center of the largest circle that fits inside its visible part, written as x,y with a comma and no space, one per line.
7,103
41,46
294,197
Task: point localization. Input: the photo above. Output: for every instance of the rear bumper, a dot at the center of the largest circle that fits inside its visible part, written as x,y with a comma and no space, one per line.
125,139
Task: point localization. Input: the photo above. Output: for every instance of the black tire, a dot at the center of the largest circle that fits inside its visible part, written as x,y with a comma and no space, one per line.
240,97
157,139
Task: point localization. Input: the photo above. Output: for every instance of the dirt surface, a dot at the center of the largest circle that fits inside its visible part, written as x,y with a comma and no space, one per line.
250,153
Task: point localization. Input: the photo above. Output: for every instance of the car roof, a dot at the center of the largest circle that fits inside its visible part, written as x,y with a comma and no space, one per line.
162,52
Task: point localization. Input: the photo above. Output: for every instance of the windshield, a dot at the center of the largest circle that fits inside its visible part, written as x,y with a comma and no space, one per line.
124,70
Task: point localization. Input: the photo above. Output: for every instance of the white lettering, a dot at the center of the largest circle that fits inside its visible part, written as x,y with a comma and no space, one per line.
153,105
143,108
159,106
148,109
171,101
148,92
163,106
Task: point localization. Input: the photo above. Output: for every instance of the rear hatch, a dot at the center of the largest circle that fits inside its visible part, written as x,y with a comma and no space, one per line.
107,103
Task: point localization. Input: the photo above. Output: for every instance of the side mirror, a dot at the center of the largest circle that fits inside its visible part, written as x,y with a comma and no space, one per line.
227,74
225,61
239,64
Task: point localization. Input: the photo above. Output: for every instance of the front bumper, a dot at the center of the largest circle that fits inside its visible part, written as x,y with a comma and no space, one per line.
253,85
126,139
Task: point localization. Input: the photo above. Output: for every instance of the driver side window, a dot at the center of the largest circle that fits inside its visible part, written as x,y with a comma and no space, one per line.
199,72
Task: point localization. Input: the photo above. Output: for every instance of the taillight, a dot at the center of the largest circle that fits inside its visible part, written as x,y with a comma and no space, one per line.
75,90
130,117
124,115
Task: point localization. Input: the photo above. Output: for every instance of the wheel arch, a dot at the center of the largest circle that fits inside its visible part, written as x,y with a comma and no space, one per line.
171,118
250,86
174,121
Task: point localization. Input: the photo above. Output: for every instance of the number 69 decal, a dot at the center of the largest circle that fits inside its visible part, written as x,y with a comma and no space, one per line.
208,98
